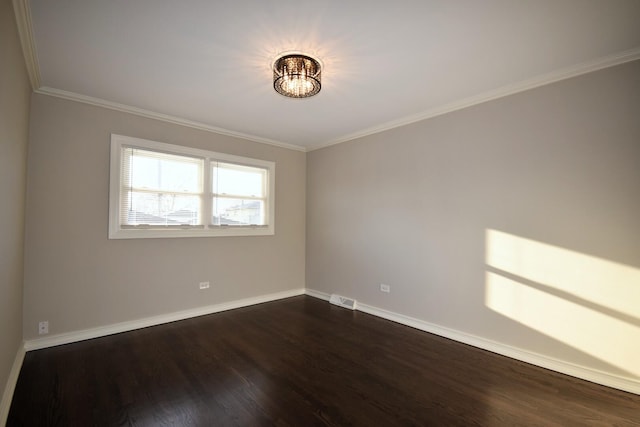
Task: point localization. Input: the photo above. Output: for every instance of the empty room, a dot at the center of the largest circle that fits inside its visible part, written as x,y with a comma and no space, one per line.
320,213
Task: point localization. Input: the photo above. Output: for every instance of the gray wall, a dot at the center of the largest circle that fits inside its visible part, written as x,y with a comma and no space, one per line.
76,278
552,173
15,93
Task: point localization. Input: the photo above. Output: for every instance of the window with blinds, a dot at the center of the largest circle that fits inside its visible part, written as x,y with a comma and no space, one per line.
160,189
239,194
163,190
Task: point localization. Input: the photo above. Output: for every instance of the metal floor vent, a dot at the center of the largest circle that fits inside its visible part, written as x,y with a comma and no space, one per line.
343,301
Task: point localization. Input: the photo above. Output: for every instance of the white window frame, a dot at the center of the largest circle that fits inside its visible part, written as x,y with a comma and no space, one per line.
116,231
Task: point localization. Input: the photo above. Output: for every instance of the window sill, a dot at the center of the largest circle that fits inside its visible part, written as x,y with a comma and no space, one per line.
215,231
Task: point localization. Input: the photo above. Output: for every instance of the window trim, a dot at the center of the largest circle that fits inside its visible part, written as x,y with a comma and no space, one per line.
116,231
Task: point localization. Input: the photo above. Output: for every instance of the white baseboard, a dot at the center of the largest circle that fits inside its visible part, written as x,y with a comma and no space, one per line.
595,376
317,294
102,331
626,384
12,380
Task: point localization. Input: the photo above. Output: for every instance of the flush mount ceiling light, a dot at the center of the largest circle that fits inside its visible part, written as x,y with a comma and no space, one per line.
296,76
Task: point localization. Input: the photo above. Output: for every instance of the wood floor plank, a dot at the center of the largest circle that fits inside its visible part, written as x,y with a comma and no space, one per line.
299,362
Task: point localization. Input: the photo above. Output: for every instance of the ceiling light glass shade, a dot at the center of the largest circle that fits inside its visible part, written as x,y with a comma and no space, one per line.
296,76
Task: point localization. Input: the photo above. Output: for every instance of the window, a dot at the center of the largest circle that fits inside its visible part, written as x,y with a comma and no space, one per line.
163,190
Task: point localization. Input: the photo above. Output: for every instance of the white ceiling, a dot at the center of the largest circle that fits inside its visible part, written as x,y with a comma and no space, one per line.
386,63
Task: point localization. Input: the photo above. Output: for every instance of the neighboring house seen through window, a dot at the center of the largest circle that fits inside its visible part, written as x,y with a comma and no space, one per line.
163,190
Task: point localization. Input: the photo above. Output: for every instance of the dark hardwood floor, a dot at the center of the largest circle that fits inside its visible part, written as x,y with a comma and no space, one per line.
299,362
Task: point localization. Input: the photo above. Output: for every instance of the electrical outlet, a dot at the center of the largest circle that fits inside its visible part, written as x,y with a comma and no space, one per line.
43,327
385,288
204,285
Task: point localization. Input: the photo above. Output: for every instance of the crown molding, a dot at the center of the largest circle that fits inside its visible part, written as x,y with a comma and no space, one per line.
25,29
511,89
22,10
98,102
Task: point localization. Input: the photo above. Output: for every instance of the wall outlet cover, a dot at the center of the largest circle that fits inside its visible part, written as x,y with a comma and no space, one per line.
43,327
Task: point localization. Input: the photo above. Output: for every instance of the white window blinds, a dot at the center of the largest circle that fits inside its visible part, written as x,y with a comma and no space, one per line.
165,190
239,194
160,189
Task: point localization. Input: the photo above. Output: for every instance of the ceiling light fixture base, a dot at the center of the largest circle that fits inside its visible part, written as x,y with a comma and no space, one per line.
296,75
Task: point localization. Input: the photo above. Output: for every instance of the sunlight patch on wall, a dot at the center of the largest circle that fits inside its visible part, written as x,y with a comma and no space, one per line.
613,285
601,336
583,301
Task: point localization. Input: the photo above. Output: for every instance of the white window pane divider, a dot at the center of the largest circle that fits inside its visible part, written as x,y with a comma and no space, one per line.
121,188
